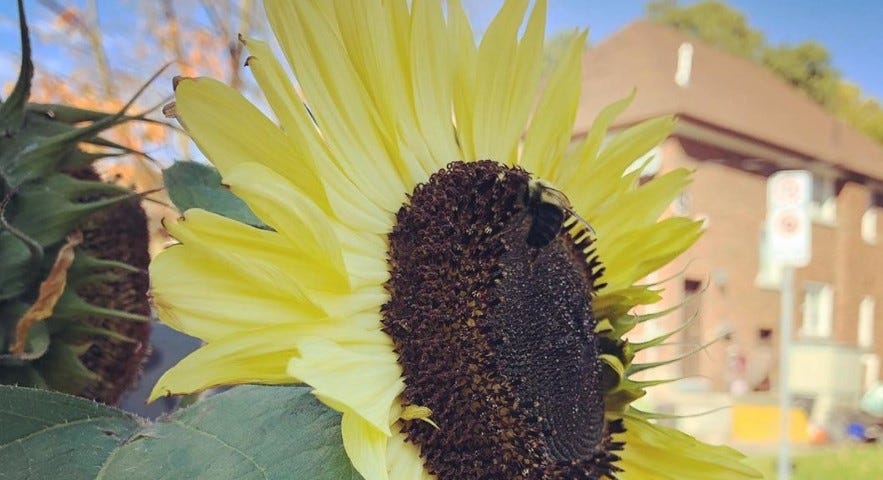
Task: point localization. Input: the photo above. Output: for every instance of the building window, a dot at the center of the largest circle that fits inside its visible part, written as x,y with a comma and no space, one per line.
823,207
869,225
866,322
692,340
869,219
769,271
818,310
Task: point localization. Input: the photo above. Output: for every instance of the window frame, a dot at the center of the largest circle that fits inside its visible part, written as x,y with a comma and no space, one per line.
867,310
823,199
818,300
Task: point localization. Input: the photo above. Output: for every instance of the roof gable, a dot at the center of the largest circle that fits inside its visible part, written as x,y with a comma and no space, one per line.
724,91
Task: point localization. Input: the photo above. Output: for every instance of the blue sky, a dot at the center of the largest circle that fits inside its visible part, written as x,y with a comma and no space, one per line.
849,29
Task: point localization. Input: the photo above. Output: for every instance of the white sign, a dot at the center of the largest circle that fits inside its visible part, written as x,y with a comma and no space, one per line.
789,188
788,225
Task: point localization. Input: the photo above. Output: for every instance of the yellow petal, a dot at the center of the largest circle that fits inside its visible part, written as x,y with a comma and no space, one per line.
363,300
431,83
550,129
654,452
208,298
230,130
281,95
463,58
583,155
339,100
377,47
256,356
259,355
496,66
641,206
347,201
365,446
601,184
403,459
635,254
266,255
350,381
526,80
366,270
291,213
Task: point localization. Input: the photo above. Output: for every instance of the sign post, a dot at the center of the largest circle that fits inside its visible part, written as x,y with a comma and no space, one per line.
789,229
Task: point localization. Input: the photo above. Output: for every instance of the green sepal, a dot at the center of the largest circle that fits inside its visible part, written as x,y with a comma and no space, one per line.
77,158
71,115
616,304
47,210
91,278
81,333
626,323
88,269
640,367
24,165
612,372
653,342
620,398
15,266
71,307
604,326
13,109
36,347
88,263
671,416
62,369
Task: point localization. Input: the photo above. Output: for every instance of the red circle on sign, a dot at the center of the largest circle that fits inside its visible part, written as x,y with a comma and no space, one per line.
787,191
787,223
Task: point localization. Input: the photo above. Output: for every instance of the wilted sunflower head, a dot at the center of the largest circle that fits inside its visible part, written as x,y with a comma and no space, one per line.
443,266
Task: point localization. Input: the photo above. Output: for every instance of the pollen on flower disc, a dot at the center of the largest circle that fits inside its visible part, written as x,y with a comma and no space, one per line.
494,335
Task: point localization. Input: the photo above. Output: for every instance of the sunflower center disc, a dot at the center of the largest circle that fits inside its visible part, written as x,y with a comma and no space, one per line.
494,334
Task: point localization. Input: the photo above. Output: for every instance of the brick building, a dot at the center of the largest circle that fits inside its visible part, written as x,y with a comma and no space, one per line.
739,123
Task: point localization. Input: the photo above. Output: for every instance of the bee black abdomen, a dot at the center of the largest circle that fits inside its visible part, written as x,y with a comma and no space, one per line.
546,224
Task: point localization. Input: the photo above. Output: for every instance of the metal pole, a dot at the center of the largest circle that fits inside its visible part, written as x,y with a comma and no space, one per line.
785,321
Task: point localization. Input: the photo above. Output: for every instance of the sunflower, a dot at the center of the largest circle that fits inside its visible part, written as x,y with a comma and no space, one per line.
442,265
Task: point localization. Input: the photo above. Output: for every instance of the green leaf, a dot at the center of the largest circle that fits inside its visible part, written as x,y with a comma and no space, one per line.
194,185
52,435
250,432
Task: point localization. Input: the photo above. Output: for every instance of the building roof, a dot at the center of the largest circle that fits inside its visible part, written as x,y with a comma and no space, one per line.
724,91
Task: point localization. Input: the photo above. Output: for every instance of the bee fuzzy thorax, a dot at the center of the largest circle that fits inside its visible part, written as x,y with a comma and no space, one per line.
549,209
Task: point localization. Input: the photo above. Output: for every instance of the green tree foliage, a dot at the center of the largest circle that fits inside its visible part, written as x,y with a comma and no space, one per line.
863,113
807,65
712,21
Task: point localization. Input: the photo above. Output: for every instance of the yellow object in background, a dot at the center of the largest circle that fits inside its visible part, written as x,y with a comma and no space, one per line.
760,424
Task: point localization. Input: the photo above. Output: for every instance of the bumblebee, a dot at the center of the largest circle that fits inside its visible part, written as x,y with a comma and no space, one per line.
548,208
